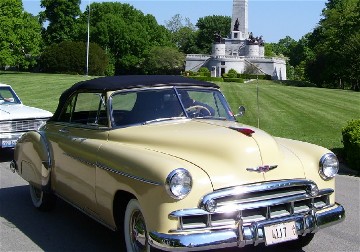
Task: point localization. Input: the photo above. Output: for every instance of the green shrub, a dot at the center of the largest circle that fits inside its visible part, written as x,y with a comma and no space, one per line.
238,80
190,73
206,78
254,76
216,79
70,57
351,141
232,73
204,70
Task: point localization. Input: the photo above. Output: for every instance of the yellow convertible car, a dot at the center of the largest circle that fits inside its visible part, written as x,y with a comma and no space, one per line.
163,160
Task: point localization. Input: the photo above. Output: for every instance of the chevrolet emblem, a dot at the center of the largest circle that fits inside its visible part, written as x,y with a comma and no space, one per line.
264,168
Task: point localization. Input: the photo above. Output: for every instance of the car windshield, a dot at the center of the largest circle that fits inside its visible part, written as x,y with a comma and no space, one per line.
154,105
8,97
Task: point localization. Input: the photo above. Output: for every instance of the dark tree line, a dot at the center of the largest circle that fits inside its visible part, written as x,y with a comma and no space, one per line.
20,36
329,56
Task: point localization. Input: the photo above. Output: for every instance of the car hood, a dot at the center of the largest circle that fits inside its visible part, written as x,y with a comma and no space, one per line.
20,111
216,147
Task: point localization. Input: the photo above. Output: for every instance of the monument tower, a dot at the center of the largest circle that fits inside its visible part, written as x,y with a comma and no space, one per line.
240,13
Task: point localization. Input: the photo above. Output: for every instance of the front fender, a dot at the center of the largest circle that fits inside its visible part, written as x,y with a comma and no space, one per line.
309,155
33,159
142,173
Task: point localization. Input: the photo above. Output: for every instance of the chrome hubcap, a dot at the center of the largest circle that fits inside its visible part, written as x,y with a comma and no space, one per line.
138,232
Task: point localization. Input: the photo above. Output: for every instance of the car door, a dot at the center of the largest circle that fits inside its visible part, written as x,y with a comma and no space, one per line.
75,140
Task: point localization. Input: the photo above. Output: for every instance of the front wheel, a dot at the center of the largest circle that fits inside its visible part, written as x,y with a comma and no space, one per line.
135,233
41,200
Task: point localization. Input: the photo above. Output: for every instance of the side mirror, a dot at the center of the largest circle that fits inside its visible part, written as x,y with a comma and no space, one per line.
241,111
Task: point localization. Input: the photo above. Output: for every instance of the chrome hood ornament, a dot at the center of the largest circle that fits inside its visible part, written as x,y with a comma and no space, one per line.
261,169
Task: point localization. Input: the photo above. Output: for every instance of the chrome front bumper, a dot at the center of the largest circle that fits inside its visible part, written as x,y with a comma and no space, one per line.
247,234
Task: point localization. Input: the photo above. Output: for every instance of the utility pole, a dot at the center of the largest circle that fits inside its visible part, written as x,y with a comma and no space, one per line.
88,41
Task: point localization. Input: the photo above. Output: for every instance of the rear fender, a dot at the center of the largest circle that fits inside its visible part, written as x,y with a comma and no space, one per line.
33,159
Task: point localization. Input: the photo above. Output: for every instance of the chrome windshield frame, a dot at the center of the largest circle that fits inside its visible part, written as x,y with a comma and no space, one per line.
176,90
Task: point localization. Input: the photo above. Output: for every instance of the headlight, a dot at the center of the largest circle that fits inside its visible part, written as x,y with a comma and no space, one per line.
179,183
6,127
40,124
329,166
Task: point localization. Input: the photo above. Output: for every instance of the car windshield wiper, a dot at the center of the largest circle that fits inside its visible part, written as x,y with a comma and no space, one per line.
164,119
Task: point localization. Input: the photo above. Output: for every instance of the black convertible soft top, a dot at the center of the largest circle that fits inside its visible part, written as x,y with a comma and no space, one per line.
126,82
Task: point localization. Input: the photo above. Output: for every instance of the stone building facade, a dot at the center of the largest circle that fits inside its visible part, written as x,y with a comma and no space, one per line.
240,51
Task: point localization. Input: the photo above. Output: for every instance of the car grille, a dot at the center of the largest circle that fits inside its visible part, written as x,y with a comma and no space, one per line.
21,125
253,203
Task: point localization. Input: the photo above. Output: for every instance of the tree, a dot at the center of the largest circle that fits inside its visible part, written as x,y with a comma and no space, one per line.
124,32
333,56
183,35
61,15
186,40
164,60
176,23
69,57
284,46
20,37
208,26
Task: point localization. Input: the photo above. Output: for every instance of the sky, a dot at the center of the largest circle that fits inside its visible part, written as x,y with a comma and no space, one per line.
272,19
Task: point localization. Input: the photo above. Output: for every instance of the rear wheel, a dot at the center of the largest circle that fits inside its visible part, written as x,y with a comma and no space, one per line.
135,233
41,200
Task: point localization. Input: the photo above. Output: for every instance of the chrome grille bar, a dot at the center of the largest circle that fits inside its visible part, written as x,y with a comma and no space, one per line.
258,203
21,125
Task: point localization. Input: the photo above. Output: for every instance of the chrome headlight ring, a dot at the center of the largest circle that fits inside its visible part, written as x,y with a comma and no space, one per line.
328,166
178,183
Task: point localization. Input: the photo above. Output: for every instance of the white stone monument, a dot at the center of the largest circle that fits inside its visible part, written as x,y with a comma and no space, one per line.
239,51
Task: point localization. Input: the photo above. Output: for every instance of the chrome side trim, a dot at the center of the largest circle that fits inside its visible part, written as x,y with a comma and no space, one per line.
106,168
81,160
244,234
109,169
48,162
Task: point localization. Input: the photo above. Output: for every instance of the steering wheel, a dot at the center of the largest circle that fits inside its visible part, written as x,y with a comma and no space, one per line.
197,111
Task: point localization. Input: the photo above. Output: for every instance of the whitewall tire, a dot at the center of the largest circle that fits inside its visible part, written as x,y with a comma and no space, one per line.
135,233
40,199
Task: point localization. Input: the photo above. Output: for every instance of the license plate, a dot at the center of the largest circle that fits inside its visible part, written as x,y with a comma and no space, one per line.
280,232
8,143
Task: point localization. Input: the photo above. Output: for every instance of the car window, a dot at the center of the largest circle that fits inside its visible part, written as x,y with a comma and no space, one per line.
153,105
145,105
86,108
7,96
124,101
211,102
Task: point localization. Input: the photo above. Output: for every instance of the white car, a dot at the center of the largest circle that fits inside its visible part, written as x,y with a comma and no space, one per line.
16,118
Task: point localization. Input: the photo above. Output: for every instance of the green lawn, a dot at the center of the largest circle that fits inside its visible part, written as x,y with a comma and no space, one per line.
305,113
308,114
40,90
